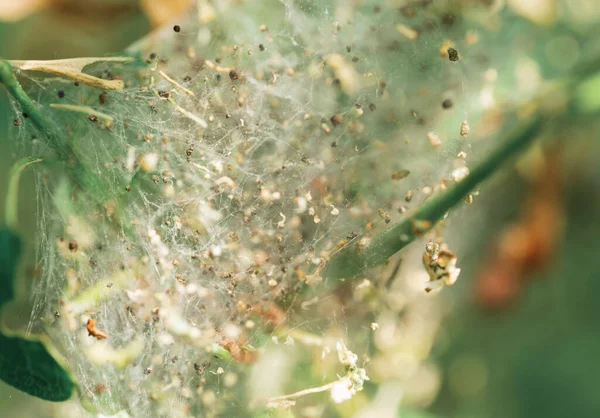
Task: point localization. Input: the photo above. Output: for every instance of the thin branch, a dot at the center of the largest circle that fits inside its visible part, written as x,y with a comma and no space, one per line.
87,110
176,84
349,262
303,392
201,122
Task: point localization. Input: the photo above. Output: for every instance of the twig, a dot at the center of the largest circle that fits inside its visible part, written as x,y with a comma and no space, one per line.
303,393
216,67
189,114
87,110
349,262
176,84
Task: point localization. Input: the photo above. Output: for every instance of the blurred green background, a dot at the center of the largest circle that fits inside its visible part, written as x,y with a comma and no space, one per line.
532,357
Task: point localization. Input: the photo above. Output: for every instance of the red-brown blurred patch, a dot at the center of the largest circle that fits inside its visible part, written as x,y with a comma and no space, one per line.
527,245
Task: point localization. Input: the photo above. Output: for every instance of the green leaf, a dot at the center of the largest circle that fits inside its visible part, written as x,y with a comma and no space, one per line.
25,361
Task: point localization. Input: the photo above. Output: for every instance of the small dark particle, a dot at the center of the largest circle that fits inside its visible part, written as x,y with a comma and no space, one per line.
448,19
128,188
73,245
102,99
333,144
447,104
336,119
452,54
355,59
17,122
177,28
25,115
348,48
76,83
233,75
306,160
93,118
261,47
164,94
351,235
153,56
187,79
372,107
358,106
61,94
336,81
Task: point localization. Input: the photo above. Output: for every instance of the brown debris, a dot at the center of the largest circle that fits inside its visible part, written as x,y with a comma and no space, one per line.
93,332
239,353
270,312
401,174
73,245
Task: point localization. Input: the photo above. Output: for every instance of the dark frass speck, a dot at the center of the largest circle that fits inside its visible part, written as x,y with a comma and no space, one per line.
452,54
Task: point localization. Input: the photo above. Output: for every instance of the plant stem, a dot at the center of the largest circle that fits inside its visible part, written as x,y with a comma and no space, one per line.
349,262
14,88
63,149
12,194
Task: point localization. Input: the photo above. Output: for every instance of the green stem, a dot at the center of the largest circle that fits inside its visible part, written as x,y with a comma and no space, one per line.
63,149
39,121
349,262
12,194
583,87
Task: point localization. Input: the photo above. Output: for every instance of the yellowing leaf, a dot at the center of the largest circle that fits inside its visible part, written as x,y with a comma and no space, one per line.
72,68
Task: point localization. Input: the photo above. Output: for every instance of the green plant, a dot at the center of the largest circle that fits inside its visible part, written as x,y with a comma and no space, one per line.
189,195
